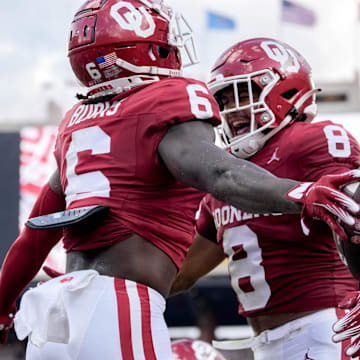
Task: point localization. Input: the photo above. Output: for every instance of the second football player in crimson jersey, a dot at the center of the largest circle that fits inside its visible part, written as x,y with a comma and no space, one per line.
141,142
288,285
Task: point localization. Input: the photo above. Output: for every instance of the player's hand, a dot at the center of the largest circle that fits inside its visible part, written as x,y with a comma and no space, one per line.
6,323
349,326
322,200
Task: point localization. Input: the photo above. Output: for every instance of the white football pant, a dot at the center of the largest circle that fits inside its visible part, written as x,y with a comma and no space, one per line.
307,338
109,319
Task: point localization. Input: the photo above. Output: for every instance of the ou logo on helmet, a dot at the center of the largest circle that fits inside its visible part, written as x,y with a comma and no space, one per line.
132,18
285,57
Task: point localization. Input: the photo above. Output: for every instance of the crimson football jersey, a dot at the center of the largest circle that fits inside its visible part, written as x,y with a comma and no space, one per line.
273,266
107,154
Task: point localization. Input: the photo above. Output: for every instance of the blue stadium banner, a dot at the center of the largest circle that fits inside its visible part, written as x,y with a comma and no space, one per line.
219,22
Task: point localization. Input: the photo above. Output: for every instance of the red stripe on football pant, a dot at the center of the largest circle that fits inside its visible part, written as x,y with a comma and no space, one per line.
123,307
146,322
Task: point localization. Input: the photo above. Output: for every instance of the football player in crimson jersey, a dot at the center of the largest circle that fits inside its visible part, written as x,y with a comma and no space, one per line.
288,285
141,143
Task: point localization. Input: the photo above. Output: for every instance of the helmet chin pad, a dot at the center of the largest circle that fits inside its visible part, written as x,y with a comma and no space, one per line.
248,147
244,146
311,111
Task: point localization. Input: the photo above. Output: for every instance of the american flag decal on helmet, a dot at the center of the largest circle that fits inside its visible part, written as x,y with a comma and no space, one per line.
107,60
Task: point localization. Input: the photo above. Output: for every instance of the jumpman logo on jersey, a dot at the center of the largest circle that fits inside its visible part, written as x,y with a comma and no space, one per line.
274,156
307,356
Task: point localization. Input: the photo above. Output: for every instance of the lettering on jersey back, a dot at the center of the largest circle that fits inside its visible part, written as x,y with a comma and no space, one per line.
92,111
228,214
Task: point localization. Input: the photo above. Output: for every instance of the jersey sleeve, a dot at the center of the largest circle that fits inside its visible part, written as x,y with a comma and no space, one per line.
178,100
29,251
160,106
325,148
205,225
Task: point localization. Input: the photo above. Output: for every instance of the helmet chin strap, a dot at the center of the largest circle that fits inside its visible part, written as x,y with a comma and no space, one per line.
117,86
120,85
153,70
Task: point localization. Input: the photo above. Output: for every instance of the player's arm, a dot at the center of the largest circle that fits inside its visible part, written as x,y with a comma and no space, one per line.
189,153
28,252
203,256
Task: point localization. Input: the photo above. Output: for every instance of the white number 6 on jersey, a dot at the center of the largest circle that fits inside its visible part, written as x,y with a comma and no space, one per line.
200,106
93,183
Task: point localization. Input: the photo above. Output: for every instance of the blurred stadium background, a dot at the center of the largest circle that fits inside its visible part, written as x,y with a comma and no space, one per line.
37,87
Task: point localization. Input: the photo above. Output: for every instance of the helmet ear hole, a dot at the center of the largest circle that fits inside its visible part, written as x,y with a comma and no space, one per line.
289,94
163,52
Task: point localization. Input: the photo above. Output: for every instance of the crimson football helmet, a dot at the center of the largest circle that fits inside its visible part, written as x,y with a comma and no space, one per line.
280,77
194,350
116,45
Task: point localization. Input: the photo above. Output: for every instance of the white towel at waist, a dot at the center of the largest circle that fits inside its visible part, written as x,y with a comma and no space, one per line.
43,315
